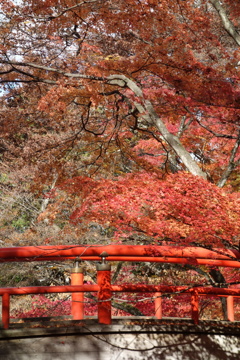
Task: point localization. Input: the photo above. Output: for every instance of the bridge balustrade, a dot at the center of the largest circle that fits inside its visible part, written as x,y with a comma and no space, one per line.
105,289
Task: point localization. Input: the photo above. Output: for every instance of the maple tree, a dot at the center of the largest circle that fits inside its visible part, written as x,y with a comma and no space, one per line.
186,210
87,91
131,108
75,75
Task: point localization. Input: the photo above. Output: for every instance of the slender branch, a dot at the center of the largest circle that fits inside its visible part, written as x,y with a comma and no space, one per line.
140,38
184,126
50,69
6,72
232,164
226,136
46,200
71,8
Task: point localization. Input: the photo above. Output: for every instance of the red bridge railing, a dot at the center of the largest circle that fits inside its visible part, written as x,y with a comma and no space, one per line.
104,288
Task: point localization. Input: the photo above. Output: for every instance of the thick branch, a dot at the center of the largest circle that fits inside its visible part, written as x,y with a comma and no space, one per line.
228,25
146,108
46,200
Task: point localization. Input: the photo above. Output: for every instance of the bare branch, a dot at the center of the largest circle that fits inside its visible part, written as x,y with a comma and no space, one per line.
232,164
49,69
228,25
151,116
184,126
71,8
226,136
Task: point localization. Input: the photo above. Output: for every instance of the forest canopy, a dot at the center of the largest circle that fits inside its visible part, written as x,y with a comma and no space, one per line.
135,105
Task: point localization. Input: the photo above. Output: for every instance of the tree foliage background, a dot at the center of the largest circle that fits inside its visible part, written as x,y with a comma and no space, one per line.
120,122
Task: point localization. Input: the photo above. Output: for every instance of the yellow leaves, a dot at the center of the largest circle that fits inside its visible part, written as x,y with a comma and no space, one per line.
179,228
113,57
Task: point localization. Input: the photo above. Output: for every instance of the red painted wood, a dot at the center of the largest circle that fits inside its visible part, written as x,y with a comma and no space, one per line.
118,288
36,253
48,289
158,305
104,296
172,289
196,261
230,308
77,298
190,255
5,310
195,307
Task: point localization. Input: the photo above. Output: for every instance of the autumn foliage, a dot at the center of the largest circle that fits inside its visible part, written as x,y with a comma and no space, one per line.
85,80
182,208
120,115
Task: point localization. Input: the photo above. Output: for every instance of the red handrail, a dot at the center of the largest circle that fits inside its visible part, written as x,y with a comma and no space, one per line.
148,253
104,288
58,252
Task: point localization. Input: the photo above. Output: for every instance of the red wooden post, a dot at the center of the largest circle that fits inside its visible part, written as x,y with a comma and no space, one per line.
230,309
158,305
195,305
77,298
5,310
105,292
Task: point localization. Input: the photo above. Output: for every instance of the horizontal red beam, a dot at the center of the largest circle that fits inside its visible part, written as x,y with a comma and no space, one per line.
115,252
175,289
134,288
192,261
48,289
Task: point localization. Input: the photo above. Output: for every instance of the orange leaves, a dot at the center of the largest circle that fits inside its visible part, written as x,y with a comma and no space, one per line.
57,98
86,47
52,100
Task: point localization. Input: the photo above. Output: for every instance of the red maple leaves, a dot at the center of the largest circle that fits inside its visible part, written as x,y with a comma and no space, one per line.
182,208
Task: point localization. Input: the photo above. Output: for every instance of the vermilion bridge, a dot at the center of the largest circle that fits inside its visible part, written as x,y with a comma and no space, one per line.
104,288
